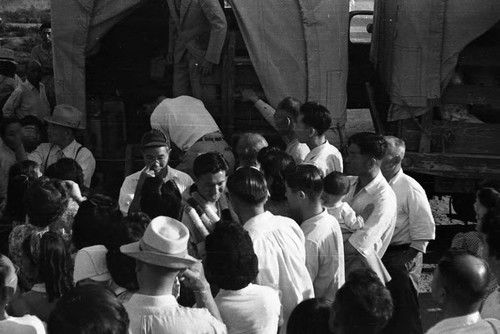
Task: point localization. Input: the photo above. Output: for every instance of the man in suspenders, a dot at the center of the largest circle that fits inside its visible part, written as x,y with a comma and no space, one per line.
62,126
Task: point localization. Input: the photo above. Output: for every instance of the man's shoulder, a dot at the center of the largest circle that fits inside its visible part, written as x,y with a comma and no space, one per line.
180,175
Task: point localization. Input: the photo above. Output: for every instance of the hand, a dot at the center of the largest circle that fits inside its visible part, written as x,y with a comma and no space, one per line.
248,94
411,255
205,67
147,172
169,58
73,190
194,278
367,211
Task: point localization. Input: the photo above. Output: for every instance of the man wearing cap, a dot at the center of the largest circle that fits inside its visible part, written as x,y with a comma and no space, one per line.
30,97
155,151
191,128
197,31
161,256
62,125
9,80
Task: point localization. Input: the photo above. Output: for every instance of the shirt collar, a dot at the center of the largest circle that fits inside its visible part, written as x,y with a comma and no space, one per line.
152,301
396,177
69,150
316,218
256,219
39,287
460,322
373,185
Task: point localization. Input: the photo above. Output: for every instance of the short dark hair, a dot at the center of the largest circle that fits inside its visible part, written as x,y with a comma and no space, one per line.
21,176
159,198
306,178
211,162
363,305
310,317
45,25
274,163
369,143
92,222
488,197
491,228
45,201
89,309
336,183
291,106
316,116
248,184
66,169
462,286
5,122
230,258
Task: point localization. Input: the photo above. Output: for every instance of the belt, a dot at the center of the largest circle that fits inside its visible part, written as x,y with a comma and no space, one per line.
397,248
214,136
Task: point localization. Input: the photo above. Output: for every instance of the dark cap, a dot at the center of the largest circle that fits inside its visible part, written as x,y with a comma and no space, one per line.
155,138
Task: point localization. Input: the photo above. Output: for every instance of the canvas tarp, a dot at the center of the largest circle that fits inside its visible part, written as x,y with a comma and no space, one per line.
416,46
298,48
77,27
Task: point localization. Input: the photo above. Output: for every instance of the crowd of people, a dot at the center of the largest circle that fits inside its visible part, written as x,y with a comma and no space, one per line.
255,240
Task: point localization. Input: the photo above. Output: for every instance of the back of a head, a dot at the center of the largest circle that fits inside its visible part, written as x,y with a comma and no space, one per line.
7,272
89,309
464,277
66,169
159,198
45,201
211,162
230,259
363,305
316,116
274,163
248,185
54,265
248,147
336,183
21,176
370,144
306,178
93,220
489,198
291,106
310,317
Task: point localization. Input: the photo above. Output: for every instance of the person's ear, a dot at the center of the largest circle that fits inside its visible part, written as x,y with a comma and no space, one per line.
371,163
312,132
301,194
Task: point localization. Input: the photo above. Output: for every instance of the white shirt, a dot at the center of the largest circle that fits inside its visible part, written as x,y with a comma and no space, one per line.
184,119
253,309
326,157
162,314
379,227
28,324
346,216
7,160
415,224
297,150
46,154
27,100
278,243
491,306
127,190
471,323
324,254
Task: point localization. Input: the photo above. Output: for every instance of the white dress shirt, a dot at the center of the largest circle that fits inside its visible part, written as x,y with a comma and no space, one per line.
28,324
326,157
255,309
491,306
27,100
414,224
278,243
470,323
184,119
46,154
127,191
324,254
162,314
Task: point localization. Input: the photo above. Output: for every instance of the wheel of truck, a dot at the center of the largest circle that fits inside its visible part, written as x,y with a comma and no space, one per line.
463,204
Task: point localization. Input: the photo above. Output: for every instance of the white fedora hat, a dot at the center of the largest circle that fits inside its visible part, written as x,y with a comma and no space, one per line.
66,115
7,55
164,244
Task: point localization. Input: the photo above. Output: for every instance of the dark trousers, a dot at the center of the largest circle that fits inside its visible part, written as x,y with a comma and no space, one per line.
403,287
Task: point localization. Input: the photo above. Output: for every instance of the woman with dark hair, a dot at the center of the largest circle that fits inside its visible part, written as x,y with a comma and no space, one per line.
48,207
274,163
67,169
310,317
54,277
231,265
89,309
159,198
93,221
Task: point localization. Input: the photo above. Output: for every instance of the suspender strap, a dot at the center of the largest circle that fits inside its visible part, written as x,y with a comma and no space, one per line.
492,326
78,151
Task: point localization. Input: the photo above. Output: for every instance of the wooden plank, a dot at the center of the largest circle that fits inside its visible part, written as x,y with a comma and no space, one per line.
472,94
453,165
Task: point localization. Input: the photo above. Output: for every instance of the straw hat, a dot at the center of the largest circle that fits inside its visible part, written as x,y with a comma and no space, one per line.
7,55
66,115
164,244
